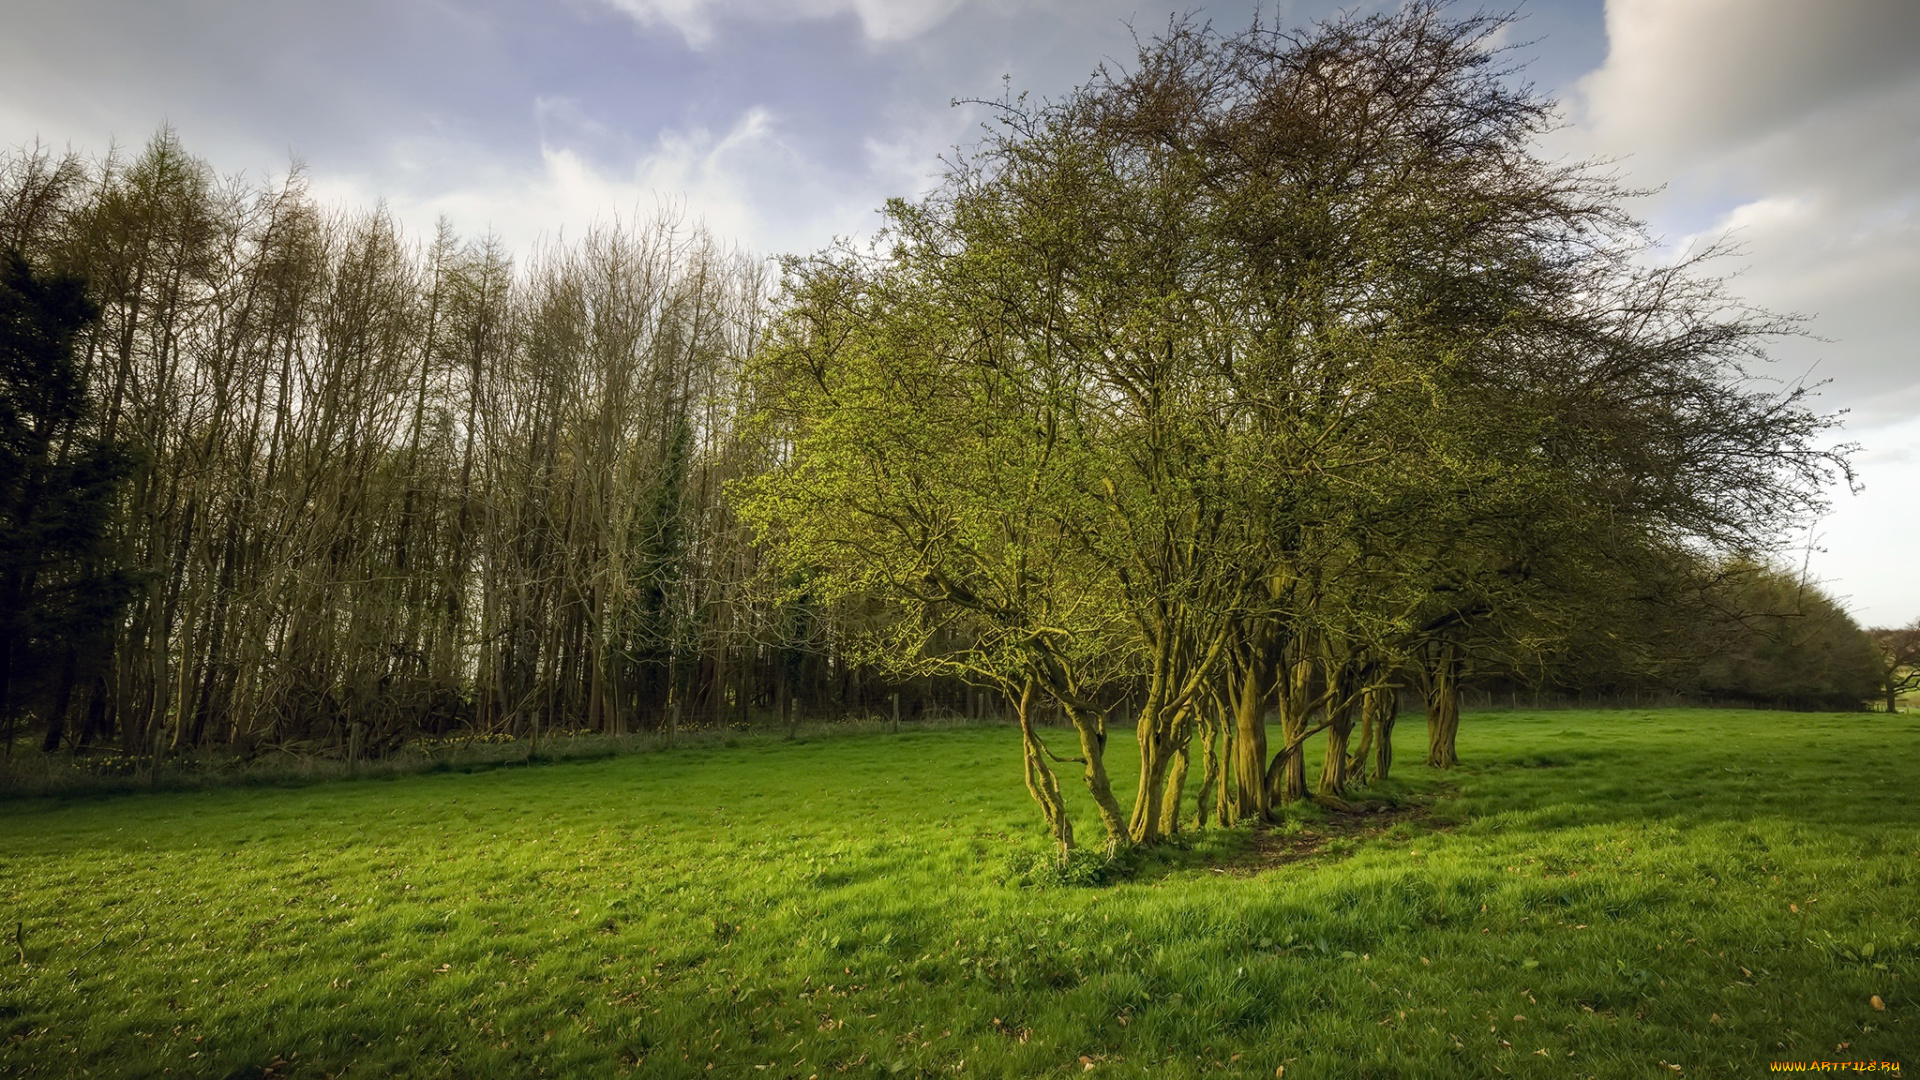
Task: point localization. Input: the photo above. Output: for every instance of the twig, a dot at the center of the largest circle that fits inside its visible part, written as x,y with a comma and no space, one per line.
1057,757
104,934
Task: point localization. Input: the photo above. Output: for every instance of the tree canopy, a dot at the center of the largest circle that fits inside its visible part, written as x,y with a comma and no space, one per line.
1260,371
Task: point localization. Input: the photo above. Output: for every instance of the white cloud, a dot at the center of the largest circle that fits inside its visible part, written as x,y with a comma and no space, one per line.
1863,549
1687,73
880,20
1794,129
745,183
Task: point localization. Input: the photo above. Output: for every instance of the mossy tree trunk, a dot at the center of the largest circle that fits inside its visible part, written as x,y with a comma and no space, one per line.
1223,804
1174,791
1253,676
1383,704
1156,761
1150,731
1207,800
1165,725
1093,742
1287,777
1042,784
1358,759
1343,701
1443,703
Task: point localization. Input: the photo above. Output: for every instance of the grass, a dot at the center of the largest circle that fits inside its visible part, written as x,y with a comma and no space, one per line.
1618,894
25,774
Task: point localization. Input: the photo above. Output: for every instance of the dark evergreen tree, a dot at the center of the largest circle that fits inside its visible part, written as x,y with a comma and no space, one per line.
59,588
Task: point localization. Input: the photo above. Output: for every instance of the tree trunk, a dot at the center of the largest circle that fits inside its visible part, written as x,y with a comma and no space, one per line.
1386,703
1204,796
1333,780
1341,706
1041,782
1224,802
1156,757
1249,736
63,699
1172,793
780,690
1443,707
1357,761
1287,777
1093,742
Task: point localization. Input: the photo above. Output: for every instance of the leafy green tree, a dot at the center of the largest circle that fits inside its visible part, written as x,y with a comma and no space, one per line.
930,465
1899,661
1291,349
1781,641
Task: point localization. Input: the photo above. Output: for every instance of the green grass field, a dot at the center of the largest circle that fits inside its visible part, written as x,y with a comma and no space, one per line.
1617,894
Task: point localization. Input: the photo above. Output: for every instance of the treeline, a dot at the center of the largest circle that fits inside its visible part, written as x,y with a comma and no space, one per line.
1278,378
352,488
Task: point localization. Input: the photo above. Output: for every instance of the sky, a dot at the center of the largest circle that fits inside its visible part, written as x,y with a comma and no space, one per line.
1791,129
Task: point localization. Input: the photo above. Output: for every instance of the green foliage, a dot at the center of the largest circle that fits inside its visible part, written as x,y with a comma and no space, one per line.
1627,882
1079,868
1272,351
1778,639
59,589
1897,656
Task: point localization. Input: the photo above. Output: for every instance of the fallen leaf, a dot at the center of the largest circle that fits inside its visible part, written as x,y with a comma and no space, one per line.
1878,1005
1795,908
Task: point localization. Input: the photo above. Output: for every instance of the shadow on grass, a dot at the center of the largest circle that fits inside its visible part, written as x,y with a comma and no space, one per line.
1314,832
33,775
1684,769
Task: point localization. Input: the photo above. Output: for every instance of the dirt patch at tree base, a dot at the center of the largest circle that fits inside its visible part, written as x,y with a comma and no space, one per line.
1335,834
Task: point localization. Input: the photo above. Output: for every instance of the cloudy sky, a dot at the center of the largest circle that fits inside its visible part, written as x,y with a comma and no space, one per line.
1792,126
